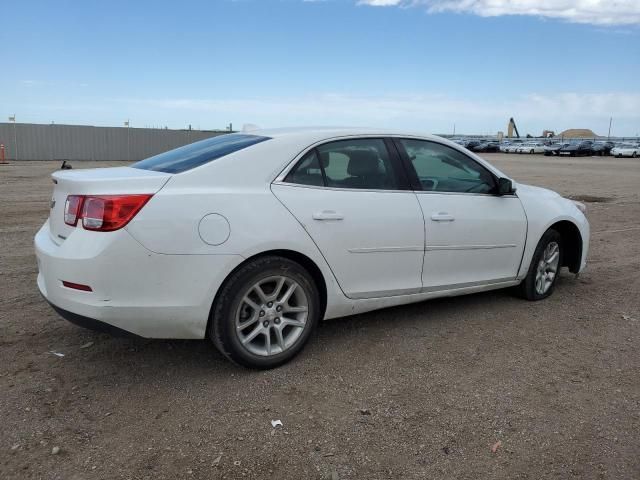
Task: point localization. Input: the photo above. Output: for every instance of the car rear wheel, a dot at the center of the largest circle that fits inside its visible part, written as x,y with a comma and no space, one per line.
265,313
544,268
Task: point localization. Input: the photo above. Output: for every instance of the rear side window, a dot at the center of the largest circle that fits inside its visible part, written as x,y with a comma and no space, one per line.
355,163
307,172
198,153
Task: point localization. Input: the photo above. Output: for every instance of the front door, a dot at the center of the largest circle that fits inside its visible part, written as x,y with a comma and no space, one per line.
473,236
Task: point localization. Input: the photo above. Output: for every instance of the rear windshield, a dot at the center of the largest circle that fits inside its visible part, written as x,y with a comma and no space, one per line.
198,153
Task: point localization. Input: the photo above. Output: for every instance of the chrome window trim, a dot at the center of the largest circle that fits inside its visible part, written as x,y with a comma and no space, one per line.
279,180
417,192
340,189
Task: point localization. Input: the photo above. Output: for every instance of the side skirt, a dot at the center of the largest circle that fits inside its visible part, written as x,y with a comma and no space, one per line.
353,307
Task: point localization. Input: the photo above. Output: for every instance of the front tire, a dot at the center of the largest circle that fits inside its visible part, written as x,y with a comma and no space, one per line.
265,313
544,268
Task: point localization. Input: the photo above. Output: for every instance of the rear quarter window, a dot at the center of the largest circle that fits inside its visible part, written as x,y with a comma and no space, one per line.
198,153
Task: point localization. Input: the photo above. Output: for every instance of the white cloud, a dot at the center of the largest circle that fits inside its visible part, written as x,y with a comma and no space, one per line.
427,112
597,12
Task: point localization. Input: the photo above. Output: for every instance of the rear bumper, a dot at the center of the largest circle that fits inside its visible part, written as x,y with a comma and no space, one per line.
92,323
134,291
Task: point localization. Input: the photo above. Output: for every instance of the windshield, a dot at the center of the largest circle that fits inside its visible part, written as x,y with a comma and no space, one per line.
198,153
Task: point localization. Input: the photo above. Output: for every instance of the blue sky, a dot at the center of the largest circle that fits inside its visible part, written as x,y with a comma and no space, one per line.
411,64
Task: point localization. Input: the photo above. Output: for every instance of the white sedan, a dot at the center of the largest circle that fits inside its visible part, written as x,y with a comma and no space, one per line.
510,148
531,147
252,239
626,150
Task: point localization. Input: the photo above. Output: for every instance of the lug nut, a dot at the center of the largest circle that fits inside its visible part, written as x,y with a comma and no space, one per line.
265,324
279,308
277,321
270,304
262,313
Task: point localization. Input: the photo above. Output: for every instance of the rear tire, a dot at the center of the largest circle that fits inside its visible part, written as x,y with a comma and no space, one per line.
544,268
265,313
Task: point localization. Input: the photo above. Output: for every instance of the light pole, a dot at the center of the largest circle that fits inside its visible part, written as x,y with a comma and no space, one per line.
610,120
15,135
126,124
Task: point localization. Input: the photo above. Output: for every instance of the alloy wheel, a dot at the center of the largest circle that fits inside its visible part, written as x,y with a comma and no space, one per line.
547,268
272,315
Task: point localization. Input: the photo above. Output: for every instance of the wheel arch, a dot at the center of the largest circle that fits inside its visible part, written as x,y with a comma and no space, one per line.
293,255
571,242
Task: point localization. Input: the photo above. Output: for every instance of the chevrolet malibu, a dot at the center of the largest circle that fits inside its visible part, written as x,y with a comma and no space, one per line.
251,239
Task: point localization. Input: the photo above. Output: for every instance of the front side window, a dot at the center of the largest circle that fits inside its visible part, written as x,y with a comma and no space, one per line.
198,153
443,169
354,163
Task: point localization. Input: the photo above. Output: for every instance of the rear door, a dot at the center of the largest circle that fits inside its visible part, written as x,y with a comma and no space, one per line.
353,199
473,236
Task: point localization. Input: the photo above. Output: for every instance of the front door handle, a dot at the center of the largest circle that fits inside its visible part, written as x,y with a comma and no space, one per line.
328,215
442,217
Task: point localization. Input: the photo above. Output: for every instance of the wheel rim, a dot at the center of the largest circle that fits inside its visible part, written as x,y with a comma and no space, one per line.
547,268
272,315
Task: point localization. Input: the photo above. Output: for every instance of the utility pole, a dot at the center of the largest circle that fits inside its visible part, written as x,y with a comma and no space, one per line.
610,120
454,129
15,135
126,124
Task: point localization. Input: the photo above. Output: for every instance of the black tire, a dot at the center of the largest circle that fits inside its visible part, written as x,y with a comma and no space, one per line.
222,329
527,289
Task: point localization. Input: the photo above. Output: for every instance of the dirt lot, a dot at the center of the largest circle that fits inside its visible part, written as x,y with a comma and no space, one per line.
422,391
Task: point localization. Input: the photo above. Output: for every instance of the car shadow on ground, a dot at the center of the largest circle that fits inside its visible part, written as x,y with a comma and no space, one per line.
195,358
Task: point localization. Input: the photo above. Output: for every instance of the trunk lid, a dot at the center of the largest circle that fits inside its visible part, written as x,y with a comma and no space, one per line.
97,181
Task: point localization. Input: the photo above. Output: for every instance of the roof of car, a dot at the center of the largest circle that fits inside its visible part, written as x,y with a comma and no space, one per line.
314,134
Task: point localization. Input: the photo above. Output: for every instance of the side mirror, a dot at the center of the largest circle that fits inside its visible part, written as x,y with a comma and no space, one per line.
505,187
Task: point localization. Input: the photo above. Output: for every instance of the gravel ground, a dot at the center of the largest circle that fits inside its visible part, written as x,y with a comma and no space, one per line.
414,392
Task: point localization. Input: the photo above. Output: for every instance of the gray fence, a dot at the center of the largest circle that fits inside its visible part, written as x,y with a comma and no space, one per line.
29,141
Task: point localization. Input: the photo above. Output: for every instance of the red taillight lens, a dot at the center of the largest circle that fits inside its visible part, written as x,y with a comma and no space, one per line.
106,213
77,286
103,213
72,209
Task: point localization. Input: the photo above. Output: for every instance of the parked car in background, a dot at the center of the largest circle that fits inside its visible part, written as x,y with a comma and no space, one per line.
579,149
510,147
471,144
487,147
626,150
554,148
602,148
250,240
531,147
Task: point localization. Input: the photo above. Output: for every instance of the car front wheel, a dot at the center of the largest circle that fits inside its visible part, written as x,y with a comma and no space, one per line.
265,313
544,268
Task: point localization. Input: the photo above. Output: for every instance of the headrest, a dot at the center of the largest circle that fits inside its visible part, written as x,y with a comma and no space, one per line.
363,163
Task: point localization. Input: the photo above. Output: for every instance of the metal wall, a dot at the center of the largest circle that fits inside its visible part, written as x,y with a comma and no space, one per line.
80,142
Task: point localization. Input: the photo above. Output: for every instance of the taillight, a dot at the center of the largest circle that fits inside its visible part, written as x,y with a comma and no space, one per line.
106,213
72,209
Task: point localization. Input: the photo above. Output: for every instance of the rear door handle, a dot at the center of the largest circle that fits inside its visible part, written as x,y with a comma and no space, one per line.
442,217
328,215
